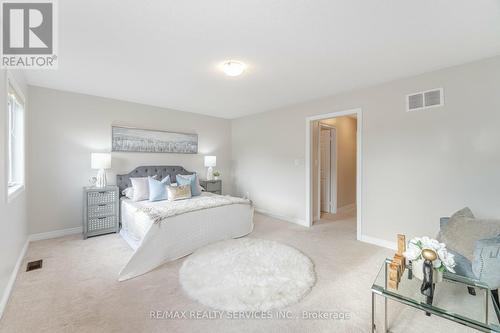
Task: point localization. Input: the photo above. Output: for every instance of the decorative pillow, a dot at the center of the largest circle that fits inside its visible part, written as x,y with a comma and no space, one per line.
179,192
486,264
158,189
462,213
463,231
128,192
191,180
140,186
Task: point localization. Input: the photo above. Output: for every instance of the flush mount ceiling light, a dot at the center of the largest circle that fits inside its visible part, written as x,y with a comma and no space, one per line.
233,67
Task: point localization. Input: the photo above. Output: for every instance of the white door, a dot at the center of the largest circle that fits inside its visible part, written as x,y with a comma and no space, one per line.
325,169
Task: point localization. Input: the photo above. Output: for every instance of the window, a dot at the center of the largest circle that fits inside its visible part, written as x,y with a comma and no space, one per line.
15,149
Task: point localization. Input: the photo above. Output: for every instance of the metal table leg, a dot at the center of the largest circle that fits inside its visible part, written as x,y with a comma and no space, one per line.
386,326
487,294
374,326
373,313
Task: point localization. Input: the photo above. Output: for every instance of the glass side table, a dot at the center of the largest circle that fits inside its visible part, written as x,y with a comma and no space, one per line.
451,301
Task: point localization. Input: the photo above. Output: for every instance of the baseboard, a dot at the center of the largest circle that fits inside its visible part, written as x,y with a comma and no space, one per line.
379,242
346,208
12,279
55,234
281,217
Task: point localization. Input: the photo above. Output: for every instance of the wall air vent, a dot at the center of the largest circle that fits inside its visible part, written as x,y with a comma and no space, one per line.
424,100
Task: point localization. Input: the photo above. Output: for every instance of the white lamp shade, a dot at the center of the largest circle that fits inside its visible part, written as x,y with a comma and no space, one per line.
100,161
210,161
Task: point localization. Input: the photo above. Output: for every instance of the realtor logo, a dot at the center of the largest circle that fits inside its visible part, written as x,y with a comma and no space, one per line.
28,34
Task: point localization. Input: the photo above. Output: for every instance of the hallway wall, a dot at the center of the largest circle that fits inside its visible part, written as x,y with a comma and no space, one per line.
346,161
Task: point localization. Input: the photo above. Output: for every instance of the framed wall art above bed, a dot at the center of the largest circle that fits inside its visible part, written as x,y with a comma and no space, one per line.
125,139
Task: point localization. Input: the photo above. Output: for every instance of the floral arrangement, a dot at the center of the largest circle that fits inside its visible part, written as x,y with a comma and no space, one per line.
445,261
216,173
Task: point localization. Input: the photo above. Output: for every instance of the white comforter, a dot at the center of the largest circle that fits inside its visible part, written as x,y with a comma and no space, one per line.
184,226
158,213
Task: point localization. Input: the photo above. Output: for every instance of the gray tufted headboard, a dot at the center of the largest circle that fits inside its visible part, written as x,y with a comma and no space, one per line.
123,181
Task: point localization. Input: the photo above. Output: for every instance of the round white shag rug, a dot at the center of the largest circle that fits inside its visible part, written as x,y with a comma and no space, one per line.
247,274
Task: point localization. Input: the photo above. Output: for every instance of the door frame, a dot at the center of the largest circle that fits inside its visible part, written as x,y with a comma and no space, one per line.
359,163
333,175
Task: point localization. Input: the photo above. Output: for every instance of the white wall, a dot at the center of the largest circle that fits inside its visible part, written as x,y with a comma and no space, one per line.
416,166
13,221
66,127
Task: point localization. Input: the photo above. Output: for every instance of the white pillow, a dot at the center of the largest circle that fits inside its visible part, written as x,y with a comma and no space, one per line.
128,192
140,188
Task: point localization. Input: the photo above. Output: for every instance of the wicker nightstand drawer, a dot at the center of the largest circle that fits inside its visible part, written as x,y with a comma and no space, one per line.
101,197
102,223
100,211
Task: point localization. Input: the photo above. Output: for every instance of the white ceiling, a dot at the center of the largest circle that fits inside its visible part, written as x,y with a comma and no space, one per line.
165,53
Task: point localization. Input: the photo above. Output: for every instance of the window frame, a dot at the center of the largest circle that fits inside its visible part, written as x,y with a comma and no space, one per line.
14,190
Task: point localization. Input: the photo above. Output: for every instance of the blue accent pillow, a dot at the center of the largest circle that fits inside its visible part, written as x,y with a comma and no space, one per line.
189,180
486,264
158,189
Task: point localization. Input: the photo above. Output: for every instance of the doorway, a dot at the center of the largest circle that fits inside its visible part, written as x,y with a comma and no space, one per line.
327,155
329,199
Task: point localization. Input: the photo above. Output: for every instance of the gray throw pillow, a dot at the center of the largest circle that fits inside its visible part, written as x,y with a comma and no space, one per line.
463,231
486,264
462,213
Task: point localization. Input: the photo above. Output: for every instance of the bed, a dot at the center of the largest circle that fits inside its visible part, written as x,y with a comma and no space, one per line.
157,241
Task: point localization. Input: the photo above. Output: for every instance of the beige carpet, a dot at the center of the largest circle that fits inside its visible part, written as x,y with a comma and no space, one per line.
77,290
341,215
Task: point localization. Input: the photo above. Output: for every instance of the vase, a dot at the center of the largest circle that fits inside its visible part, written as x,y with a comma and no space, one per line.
417,268
216,177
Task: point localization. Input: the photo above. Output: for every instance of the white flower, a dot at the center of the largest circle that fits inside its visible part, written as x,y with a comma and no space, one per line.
448,259
429,243
417,244
436,263
413,252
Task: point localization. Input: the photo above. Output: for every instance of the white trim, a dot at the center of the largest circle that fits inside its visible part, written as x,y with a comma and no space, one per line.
55,234
14,191
359,164
332,207
379,242
11,81
280,217
12,279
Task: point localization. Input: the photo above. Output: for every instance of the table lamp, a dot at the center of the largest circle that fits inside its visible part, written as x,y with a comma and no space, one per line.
100,161
210,162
